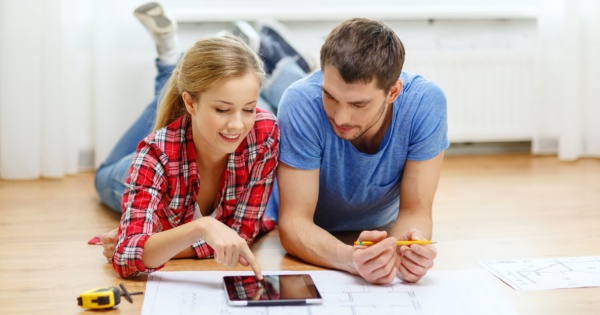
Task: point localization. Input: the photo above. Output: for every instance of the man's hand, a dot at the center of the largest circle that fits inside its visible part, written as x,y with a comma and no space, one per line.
109,243
376,263
413,262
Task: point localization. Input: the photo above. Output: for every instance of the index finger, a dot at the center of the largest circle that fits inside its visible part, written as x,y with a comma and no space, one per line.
373,236
258,294
427,251
249,257
413,235
376,250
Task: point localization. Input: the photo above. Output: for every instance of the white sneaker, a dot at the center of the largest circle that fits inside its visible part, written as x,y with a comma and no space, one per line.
276,43
248,34
162,28
225,33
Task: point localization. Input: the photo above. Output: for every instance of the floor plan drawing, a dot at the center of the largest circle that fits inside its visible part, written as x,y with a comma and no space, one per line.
471,291
549,273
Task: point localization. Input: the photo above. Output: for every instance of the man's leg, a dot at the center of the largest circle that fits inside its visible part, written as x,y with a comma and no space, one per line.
283,63
277,43
286,72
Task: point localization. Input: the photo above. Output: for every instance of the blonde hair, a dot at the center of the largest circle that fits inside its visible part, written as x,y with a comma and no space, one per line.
207,63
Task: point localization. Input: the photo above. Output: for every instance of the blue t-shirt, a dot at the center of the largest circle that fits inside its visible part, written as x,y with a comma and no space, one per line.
359,191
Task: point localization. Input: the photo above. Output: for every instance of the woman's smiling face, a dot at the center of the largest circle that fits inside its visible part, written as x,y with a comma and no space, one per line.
223,115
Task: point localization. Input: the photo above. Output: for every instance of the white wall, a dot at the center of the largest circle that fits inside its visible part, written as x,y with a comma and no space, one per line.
97,60
45,87
430,30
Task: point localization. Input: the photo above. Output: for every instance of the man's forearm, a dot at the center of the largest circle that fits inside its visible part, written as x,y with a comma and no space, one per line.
409,219
307,241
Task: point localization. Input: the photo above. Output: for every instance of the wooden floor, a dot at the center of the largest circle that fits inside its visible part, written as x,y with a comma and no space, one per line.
487,207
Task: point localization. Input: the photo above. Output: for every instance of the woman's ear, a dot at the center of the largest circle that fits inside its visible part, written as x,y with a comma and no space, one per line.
188,100
394,91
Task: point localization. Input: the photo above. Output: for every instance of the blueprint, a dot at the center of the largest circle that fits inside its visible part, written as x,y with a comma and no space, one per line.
548,273
472,291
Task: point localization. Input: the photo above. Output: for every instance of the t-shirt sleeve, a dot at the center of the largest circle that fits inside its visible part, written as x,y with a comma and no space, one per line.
429,132
299,118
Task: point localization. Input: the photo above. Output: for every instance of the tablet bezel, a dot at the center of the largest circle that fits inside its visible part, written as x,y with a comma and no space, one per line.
316,297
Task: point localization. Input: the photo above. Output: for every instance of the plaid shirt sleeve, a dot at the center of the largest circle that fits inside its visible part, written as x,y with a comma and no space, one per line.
249,184
144,192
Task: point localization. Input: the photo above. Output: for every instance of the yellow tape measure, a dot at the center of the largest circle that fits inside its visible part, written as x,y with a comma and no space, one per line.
104,297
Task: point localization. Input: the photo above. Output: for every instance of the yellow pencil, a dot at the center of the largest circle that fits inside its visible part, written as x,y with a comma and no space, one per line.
399,243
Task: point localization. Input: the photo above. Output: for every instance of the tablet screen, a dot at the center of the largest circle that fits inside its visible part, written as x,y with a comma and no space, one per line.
274,290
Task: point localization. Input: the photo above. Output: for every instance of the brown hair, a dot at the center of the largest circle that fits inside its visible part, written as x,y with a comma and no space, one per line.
207,63
363,50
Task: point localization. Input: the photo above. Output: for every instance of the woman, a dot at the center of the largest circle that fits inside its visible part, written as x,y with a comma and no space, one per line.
199,183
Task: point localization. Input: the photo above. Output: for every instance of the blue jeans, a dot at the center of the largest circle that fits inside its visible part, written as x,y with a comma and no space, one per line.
111,174
286,72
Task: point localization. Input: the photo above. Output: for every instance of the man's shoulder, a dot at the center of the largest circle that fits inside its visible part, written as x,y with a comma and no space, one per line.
308,84
303,97
415,83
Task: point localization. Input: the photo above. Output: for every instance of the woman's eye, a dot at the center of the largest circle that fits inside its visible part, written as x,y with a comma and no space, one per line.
249,110
221,111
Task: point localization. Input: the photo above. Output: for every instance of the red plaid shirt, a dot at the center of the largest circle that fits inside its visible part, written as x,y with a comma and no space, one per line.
164,182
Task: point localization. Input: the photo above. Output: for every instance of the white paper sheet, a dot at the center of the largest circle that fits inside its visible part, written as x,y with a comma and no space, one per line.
440,292
549,273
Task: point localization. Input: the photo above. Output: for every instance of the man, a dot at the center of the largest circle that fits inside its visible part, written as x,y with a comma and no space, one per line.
362,145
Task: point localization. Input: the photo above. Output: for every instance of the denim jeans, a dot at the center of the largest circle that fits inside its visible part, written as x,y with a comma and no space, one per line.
286,72
111,174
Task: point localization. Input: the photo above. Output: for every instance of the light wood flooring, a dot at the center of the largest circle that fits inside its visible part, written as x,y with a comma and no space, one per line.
487,207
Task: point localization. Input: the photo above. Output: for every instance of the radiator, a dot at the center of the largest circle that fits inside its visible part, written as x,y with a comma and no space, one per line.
490,96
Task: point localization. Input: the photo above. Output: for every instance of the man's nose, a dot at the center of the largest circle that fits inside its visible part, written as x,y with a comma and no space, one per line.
342,116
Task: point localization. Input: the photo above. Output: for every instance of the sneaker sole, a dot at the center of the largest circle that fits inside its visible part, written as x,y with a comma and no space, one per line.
154,12
306,63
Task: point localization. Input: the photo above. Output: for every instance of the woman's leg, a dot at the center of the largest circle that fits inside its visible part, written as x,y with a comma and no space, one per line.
145,122
110,181
111,175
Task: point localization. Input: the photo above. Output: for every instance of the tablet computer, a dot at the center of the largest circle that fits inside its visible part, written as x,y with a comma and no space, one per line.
297,289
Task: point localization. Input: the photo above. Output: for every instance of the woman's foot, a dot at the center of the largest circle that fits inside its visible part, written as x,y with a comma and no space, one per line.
162,29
